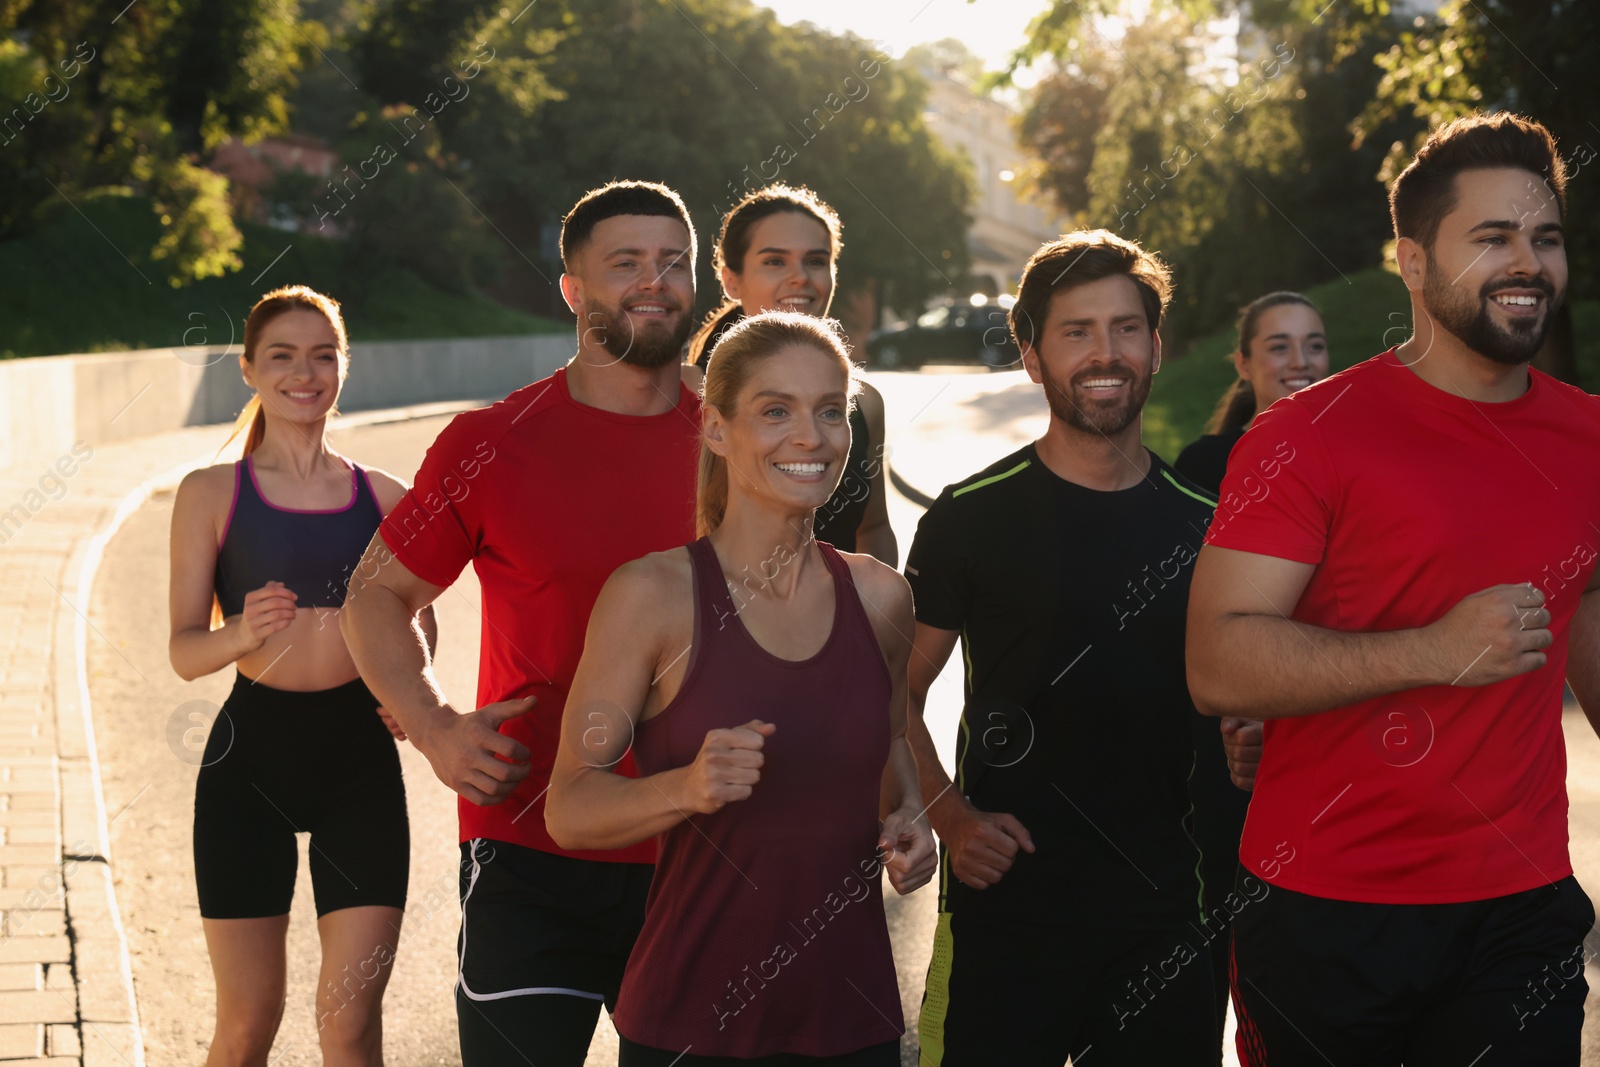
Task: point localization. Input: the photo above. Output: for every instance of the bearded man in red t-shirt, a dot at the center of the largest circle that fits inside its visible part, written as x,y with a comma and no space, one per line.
545,494
1403,555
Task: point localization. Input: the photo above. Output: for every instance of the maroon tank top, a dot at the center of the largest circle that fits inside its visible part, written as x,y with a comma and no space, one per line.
764,930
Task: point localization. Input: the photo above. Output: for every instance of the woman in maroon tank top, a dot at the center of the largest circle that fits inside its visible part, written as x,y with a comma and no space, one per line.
759,678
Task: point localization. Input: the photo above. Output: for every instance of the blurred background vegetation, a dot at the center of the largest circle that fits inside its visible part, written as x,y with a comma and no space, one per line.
1247,140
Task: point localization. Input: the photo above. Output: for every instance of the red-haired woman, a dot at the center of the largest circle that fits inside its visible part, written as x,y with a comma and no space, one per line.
262,552
778,250
759,677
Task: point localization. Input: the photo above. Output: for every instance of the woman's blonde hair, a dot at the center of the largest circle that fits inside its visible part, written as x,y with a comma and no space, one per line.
733,361
252,421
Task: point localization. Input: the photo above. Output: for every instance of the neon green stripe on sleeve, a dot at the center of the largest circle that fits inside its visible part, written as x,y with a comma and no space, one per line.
994,478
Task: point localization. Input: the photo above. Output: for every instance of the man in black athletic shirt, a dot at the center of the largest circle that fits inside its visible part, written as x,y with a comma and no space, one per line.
1069,899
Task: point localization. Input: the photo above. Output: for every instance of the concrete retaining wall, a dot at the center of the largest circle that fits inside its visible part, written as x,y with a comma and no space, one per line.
47,404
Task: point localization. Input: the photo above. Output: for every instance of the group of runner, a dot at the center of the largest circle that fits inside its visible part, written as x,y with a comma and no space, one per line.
698,742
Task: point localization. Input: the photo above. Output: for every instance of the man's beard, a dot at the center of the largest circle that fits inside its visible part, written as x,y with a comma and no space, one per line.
1469,319
1096,416
656,345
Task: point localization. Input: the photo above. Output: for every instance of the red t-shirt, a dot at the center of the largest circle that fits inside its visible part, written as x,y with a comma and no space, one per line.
545,497
1408,499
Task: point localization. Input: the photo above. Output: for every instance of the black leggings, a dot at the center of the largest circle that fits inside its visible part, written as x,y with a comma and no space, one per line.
278,762
632,1055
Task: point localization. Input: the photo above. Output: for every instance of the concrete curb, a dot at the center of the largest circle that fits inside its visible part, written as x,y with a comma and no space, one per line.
107,1007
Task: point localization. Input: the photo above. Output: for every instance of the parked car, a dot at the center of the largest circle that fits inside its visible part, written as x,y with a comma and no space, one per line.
954,333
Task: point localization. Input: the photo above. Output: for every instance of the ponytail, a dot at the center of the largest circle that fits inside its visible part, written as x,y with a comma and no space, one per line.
711,331
711,492
252,422
1235,410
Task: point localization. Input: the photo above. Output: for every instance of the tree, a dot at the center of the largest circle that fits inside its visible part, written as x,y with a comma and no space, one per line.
119,97
712,97
1242,172
1483,55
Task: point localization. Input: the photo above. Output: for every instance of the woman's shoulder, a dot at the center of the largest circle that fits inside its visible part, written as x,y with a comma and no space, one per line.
652,583
877,582
209,484
385,487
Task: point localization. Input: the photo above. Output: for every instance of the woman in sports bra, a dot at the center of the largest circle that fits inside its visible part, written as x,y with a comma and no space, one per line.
779,251
758,677
262,553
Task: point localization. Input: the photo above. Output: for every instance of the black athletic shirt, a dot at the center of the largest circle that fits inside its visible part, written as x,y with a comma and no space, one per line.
1205,459
1070,603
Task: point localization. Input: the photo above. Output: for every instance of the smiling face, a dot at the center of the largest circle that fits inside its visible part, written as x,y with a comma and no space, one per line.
1096,355
787,438
297,368
1288,351
633,289
789,266
1497,270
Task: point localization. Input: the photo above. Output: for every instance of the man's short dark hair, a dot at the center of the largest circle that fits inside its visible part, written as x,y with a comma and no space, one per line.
1425,192
1077,258
620,198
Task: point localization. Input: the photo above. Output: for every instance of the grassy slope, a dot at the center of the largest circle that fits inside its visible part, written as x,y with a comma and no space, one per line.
68,288
1364,316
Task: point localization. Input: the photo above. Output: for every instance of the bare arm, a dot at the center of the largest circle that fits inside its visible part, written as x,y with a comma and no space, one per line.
907,838
982,845
193,647
930,650
875,536
1246,657
392,651
1583,653
589,805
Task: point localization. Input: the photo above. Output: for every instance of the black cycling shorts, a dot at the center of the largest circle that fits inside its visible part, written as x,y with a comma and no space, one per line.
279,763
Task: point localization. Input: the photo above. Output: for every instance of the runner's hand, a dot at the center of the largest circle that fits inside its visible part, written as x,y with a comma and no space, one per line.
266,611
910,856
982,844
391,723
1241,739
470,754
1493,635
728,766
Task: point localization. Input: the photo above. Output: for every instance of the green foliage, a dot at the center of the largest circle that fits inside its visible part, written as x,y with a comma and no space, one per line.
400,174
198,235
1241,174
714,98
1534,58
130,98
110,305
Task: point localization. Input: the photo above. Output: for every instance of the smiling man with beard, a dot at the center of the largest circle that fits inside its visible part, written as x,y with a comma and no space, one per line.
1386,604
545,493
1068,895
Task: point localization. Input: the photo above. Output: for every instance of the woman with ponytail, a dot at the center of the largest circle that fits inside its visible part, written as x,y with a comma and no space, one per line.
765,709
778,250
1282,347
262,554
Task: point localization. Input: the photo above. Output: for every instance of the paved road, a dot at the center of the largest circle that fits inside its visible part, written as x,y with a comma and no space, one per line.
942,426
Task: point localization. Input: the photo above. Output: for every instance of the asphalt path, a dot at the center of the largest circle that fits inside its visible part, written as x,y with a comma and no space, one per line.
943,424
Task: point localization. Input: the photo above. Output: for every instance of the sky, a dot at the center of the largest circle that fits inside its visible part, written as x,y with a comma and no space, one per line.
992,29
